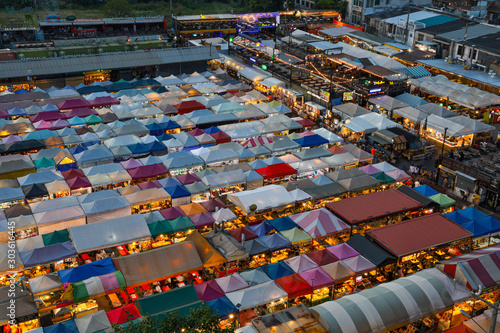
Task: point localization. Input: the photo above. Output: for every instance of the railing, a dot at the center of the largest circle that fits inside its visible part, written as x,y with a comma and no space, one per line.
473,172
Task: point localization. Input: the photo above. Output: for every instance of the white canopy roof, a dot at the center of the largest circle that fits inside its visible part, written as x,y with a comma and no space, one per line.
267,197
257,295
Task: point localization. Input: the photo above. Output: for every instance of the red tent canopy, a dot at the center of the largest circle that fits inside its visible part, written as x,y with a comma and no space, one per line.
322,257
221,137
237,233
72,173
276,171
294,285
462,328
80,112
78,182
305,122
72,104
188,106
103,101
188,178
196,132
123,314
47,116
336,150
172,213
147,171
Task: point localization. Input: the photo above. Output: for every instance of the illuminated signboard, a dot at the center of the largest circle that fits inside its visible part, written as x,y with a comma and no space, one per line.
348,96
252,60
376,90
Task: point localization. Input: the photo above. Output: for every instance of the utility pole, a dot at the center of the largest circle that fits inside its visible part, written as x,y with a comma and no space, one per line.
441,158
406,29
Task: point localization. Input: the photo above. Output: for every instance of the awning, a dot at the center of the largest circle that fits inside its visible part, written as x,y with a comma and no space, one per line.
391,305
265,198
224,179
160,263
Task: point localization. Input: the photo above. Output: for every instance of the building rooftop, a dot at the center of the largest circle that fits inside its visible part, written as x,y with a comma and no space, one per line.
488,43
391,13
445,27
75,64
473,31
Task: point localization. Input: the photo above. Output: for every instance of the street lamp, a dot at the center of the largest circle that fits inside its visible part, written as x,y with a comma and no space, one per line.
441,158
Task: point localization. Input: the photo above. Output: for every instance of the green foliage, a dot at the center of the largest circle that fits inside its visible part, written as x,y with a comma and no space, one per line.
338,5
266,6
202,319
117,8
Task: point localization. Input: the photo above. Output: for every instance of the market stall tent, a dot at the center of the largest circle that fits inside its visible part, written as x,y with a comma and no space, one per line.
48,254
277,270
45,283
342,251
180,299
231,283
101,235
83,272
93,322
385,309
320,222
123,314
294,285
300,263
257,295
208,290
222,306
267,197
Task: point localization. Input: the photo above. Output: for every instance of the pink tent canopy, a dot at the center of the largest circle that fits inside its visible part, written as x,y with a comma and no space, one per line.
11,138
172,213
300,263
370,169
188,178
257,141
338,271
149,184
42,125
59,124
147,171
202,220
306,133
317,278
47,116
80,112
103,101
131,163
196,132
342,251
359,264
72,104
231,283
208,291
398,175
319,222
78,182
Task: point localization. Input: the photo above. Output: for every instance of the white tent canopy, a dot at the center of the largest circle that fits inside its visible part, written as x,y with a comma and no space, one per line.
95,236
267,197
257,295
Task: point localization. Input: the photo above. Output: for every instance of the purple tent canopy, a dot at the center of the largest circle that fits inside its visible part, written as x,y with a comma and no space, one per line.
208,291
202,220
149,184
188,178
172,213
398,175
359,264
319,222
11,138
4,114
342,251
369,169
42,125
59,124
231,283
301,263
317,278
131,163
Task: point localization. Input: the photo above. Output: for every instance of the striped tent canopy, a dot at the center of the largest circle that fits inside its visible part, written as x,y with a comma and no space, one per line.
391,305
96,285
416,72
319,222
481,267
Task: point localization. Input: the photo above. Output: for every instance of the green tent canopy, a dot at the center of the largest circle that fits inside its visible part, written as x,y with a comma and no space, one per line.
443,200
166,227
383,178
296,236
44,163
294,136
274,104
93,120
167,301
97,285
58,236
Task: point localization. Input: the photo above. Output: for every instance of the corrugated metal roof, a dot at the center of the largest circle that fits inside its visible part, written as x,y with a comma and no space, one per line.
440,19
75,64
473,31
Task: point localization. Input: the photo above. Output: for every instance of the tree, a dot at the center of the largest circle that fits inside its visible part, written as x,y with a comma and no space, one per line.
117,8
338,5
201,319
266,6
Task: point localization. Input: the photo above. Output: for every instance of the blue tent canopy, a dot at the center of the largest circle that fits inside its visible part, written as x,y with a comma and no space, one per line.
170,124
48,254
492,224
164,137
76,150
169,182
117,86
155,127
156,146
159,89
21,91
178,191
472,213
262,228
311,140
222,306
476,228
277,270
426,190
90,89
283,223
80,273
16,112
457,218
212,130
276,242
138,149
67,326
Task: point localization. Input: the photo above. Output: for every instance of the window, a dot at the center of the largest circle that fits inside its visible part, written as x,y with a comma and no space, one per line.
460,51
474,54
377,2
